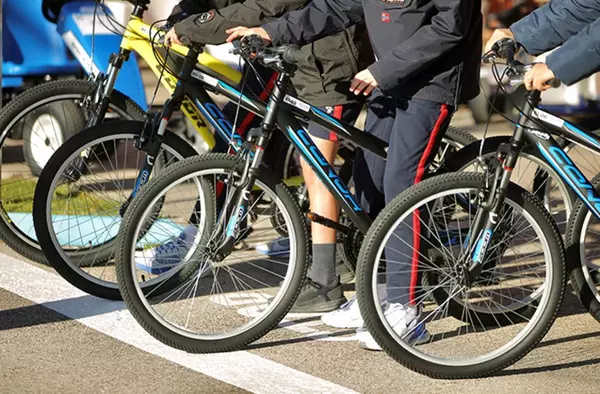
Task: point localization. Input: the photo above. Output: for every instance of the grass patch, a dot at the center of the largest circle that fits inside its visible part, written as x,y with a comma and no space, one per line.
16,194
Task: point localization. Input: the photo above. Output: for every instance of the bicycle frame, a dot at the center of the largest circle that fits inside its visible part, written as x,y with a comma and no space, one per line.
535,127
136,38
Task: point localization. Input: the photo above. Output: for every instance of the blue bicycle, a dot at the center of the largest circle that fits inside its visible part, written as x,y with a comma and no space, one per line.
484,259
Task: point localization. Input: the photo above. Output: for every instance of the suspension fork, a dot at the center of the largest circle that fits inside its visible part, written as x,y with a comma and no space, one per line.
488,212
101,96
151,144
104,90
251,171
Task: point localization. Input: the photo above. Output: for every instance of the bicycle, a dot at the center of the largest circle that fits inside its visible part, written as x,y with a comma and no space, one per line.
70,105
498,285
238,175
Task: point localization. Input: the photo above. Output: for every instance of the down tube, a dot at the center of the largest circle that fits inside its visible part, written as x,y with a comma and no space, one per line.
300,138
569,172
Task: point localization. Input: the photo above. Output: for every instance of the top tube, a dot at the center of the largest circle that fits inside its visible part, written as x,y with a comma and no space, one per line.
137,38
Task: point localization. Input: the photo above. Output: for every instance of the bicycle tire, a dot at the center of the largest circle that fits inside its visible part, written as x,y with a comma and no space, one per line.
18,108
590,298
127,238
405,203
43,197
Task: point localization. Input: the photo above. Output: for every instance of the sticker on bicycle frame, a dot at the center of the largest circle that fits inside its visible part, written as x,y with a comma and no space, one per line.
204,78
538,133
296,103
548,118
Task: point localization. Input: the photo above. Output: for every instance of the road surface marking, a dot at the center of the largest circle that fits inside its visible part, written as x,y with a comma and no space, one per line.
242,369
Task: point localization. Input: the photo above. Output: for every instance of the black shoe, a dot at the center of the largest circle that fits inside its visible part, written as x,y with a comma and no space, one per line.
344,272
315,298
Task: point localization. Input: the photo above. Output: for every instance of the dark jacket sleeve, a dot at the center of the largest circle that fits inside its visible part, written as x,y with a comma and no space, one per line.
554,23
209,27
318,19
579,57
446,30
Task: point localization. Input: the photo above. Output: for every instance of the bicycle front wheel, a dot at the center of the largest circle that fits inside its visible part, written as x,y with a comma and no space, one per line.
80,197
466,329
32,127
226,299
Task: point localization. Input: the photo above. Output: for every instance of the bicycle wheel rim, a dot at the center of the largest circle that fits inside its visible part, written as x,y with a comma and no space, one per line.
515,341
69,256
265,313
24,235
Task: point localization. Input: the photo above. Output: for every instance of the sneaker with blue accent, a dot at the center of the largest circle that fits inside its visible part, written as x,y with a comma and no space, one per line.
404,321
278,248
164,257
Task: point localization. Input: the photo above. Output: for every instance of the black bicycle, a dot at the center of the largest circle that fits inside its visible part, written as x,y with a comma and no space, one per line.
88,183
487,260
235,295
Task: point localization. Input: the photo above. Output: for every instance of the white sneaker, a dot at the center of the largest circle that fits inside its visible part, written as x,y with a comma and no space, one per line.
278,248
404,321
166,256
348,316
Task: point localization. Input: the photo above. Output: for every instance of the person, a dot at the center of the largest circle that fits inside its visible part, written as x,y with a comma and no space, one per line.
428,56
323,82
572,24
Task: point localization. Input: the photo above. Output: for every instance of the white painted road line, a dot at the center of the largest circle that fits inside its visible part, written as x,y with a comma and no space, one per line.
241,369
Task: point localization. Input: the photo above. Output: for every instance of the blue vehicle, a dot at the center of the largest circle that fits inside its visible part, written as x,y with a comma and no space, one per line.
51,39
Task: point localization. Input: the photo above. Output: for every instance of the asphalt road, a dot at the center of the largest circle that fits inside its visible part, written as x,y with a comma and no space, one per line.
54,338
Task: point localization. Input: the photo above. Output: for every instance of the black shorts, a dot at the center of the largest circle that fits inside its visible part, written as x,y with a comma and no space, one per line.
347,113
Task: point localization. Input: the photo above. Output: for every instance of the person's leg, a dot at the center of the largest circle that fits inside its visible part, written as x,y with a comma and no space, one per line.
418,128
322,202
368,167
323,291
368,182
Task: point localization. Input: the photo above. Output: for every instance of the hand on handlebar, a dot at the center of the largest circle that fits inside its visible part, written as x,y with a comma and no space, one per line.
539,78
241,31
497,36
171,38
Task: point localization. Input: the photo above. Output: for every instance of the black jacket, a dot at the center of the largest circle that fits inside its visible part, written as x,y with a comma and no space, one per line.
426,49
337,58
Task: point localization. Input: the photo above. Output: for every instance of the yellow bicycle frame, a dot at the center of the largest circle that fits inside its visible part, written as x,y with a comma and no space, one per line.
136,38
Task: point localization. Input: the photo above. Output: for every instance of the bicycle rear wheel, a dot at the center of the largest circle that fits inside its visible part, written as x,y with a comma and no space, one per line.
228,300
472,329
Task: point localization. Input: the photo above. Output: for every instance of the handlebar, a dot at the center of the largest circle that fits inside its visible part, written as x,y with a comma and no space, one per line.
253,47
506,49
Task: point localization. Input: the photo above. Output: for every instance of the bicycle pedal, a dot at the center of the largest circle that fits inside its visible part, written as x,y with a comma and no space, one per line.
323,221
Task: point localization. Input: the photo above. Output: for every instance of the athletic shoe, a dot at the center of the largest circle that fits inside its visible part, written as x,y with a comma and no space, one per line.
278,248
166,256
315,298
348,316
404,321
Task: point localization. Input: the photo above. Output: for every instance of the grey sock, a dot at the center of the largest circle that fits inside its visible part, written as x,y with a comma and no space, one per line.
322,269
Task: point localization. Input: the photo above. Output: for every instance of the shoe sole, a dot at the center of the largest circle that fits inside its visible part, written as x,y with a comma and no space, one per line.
320,308
425,338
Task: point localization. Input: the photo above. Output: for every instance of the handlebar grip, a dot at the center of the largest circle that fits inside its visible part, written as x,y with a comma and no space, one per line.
185,40
293,55
554,83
